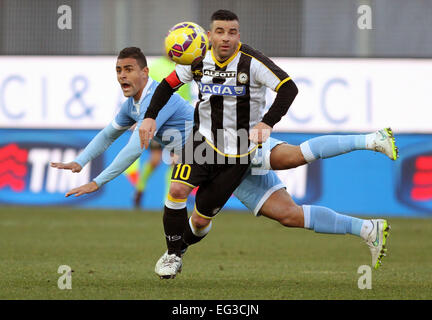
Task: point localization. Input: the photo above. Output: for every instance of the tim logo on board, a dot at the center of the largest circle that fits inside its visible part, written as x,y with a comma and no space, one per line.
26,177
414,187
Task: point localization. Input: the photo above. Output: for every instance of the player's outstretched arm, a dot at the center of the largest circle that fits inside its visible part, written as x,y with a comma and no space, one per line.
95,147
130,152
122,161
99,144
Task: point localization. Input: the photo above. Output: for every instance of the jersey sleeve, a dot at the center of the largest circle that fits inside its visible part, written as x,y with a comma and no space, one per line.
98,144
184,73
122,161
267,73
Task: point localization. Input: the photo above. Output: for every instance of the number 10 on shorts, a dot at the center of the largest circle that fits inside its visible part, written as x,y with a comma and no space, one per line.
182,171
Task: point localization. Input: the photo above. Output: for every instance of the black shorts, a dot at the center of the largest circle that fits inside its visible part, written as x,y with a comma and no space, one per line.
216,179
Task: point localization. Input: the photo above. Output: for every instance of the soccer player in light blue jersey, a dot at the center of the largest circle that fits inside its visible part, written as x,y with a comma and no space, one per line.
263,194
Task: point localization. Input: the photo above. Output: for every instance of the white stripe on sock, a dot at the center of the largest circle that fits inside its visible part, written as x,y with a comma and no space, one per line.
199,232
370,141
306,214
307,153
366,228
174,205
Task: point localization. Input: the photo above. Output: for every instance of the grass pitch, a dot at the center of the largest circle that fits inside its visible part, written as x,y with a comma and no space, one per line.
113,253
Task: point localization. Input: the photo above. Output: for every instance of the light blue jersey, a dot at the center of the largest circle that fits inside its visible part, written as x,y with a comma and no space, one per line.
174,121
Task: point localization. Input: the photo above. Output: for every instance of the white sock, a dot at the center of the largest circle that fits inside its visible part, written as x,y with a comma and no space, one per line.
370,141
199,232
366,228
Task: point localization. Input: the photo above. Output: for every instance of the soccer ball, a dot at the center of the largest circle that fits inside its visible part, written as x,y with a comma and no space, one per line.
186,43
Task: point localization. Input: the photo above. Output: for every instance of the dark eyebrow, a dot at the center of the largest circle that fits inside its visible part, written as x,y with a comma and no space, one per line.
126,66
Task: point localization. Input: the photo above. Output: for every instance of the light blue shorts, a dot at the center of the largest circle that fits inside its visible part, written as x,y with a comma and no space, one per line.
258,186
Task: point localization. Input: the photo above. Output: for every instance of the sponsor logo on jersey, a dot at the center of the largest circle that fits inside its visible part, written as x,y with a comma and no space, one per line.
221,89
414,185
26,176
220,74
242,78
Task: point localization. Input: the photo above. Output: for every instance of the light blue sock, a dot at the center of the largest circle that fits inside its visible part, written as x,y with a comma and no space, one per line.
332,145
325,220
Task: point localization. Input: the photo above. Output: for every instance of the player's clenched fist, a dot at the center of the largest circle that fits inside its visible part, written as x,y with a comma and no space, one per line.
73,166
147,130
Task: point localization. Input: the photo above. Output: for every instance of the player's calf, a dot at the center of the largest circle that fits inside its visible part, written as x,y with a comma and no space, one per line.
175,219
282,208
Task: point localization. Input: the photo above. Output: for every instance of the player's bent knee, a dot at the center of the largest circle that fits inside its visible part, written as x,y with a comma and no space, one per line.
179,190
286,156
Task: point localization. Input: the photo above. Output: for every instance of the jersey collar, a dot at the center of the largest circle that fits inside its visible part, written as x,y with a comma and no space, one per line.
225,63
143,94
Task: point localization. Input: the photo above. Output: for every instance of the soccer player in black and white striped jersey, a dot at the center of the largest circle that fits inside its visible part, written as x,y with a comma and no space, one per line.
229,123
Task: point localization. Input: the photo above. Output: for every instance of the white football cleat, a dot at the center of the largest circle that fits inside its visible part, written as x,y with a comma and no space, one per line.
161,261
168,266
164,257
376,241
384,142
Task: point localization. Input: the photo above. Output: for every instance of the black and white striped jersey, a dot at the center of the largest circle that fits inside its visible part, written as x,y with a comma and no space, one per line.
231,96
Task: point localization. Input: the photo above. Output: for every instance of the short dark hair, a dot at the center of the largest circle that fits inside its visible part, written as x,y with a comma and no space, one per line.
224,15
135,53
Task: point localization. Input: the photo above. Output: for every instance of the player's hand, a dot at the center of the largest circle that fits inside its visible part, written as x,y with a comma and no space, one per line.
73,166
260,133
85,188
147,130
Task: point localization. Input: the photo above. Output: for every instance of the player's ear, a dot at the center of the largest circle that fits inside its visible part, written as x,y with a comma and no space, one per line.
145,70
